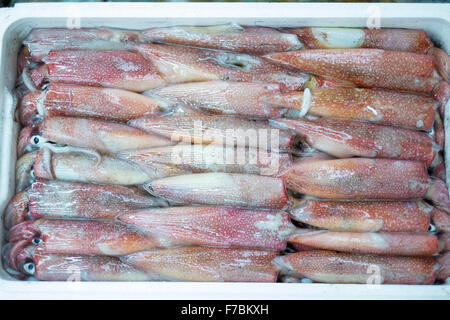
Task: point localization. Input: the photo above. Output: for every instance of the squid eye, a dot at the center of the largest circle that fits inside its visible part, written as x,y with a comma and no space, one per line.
432,228
35,140
32,175
29,268
36,241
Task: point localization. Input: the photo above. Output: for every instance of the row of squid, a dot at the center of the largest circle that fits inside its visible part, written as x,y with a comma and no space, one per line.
230,153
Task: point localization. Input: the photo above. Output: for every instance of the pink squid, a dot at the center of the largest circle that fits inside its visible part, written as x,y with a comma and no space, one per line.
410,40
64,133
41,41
232,37
222,130
104,68
199,158
86,237
180,64
213,226
223,189
174,264
383,243
60,99
60,199
366,67
243,99
338,267
347,138
365,179
83,167
206,264
364,216
374,105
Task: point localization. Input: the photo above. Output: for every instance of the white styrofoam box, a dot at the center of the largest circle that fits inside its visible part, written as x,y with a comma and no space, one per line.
15,24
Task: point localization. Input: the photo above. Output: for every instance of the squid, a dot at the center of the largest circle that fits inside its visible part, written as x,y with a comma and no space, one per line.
232,37
441,219
442,62
339,267
86,237
369,68
199,158
146,229
222,130
206,264
74,200
223,98
364,179
174,264
213,226
60,99
41,41
365,216
57,267
444,239
63,133
373,105
180,64
222,189
383,243
82,167
444,266
101,68
347,138
340,38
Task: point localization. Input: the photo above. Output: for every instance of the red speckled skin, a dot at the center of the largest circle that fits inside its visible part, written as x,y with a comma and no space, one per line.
358,178
256,40
184,64
79,167
210,158
213,226
364,216
104,136
104,68
441,219
99,237
438,193
226,189
88,102
41,41
438,168
223,97
28,107
220,130
366,67
442,94
373,105
387,39
54,267
444,266
16,211
206,264
59,199
444,238
347,138
442,62
334,267
384,243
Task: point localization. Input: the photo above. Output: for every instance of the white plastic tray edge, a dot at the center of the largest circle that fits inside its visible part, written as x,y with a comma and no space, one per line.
147,14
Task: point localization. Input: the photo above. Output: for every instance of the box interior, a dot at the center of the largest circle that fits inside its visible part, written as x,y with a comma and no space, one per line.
25,17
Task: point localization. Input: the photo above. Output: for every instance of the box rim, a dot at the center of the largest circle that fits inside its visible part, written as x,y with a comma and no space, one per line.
10,289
